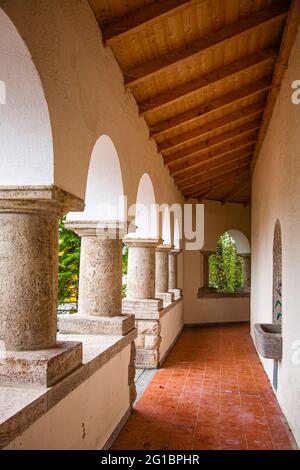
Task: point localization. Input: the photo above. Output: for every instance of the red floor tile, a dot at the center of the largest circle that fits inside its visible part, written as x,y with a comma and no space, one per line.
211,394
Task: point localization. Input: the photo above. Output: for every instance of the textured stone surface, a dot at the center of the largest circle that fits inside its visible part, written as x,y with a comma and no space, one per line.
162,268
28,265
173,269
268,340
146,308
45,367
92,325
147,359
177,293
100,279
166,297
141,267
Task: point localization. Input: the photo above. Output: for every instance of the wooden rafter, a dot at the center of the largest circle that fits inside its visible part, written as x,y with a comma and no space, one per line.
215,181
241,185
211,161
269,15
189,152
205,109
284,53
122,27
206,129
215,77
215,170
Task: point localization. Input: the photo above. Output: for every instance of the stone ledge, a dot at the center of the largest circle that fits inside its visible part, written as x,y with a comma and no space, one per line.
43,367
143,309
22,405
207,292
166,297
93,325
177,293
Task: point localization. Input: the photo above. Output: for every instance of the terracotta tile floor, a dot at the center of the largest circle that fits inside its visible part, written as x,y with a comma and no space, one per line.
212,393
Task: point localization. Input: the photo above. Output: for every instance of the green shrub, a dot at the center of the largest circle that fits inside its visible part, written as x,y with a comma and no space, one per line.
226,268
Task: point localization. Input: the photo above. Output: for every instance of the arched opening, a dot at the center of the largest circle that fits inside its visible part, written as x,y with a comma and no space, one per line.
226,267
277,274
177,234
104,197
104,201
166,226
146,210
241,241
26,151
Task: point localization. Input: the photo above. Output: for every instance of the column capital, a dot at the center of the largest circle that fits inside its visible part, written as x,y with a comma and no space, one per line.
38,199
102,229
132,240
175,251
164,248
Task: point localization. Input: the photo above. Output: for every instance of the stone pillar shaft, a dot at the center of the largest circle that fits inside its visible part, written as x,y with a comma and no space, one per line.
162,268
141,267
100,279
173,268
29,266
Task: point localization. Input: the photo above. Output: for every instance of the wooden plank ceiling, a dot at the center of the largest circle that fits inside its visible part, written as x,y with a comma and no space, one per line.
201,72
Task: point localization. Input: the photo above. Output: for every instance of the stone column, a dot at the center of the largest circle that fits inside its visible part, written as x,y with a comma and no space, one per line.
28,287
141,300
173,273
162,274
100,280
141,267
247,271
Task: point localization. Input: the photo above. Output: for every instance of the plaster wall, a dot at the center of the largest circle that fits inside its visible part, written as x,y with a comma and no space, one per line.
217,219
84,90
86,418
275,190
171,325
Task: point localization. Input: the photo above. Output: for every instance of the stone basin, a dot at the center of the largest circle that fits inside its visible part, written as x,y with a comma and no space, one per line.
268,340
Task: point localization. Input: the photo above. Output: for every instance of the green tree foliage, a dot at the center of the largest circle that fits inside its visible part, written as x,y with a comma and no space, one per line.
68,264
124,268
226,268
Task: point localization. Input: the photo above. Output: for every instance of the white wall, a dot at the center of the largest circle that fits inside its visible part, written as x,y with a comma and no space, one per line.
86,418
86,97
276,195
26,151
217,220
171,325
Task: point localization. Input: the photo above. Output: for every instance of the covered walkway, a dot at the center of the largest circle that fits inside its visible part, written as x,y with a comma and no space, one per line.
212,393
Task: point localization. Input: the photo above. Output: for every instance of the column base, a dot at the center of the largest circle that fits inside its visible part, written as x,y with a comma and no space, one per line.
177,293
166,297
93,325
147,314
44,367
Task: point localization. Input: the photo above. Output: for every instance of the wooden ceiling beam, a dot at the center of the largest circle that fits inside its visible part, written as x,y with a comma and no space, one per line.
229,71
157,10
236,190
273,13
205,109
189,152
214,171
212,161
280,68
206,129
216,181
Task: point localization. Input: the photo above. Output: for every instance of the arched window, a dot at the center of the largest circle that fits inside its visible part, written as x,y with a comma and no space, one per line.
226,267
146,211
104,201
26,150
